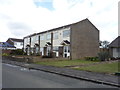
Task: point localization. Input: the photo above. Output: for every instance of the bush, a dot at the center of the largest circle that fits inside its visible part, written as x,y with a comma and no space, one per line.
46,56
92,58
5,54
113,58
17,52
103,56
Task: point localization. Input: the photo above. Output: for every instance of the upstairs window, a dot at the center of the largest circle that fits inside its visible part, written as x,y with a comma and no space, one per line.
66,33
33,39
37,38
42,37
55,35
28,40
48,36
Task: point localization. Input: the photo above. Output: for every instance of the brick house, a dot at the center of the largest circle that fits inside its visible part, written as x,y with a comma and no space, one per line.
114,48
74,41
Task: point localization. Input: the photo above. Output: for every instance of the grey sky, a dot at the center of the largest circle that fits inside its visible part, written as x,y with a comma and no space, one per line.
19,18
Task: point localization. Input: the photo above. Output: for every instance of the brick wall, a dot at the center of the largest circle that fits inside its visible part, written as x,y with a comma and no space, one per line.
84,40
6,51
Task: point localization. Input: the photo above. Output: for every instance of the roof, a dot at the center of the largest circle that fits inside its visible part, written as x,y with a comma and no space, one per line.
115,43
48,44
58,28
65,42
16,40
6,44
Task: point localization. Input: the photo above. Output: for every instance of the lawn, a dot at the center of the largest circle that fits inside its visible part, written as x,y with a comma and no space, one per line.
63,63
102,68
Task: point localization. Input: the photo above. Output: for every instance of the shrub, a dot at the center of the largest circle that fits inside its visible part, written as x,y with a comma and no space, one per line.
24,53
17,52
5,54
46,56
92,58
103,56
113,58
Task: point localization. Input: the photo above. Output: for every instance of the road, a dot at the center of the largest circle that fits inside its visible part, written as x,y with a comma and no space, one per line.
19,77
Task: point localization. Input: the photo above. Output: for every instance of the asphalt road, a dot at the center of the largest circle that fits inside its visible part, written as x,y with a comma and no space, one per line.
19,77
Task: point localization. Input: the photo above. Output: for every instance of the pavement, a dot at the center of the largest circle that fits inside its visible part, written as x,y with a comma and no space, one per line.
82,75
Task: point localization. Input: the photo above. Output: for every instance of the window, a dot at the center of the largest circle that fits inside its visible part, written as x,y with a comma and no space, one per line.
118,50
27,40
48,36
15,43
32,39
37,38
55,35
66,33
55,48
21,43
42,37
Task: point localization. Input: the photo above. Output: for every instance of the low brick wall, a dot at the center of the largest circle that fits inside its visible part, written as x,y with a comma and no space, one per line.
12,58
6,51
31,59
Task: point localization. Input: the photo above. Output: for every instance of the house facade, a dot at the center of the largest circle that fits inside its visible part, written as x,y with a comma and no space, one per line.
72,41
114,48
18,43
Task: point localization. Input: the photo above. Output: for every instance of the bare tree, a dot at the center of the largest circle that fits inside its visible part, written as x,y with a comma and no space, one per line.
104,55
104,44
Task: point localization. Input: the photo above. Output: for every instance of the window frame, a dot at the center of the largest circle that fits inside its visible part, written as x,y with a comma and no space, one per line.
48,36
42,37
66,33
55,35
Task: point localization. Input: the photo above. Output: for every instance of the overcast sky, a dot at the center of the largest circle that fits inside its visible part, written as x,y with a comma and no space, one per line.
19,18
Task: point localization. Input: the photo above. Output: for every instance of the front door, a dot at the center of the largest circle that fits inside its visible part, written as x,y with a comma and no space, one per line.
45,51
66,51
48,51
61,51
28,50
37,49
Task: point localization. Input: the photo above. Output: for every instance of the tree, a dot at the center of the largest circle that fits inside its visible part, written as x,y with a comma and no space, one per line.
104,55
104,44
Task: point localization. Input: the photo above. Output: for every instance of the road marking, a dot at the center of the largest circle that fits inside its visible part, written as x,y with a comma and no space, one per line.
11,65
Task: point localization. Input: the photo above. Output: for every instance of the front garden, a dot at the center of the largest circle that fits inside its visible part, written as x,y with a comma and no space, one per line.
108,67
65,63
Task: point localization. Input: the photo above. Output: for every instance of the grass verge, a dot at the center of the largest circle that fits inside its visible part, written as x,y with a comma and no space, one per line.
108,68
63,63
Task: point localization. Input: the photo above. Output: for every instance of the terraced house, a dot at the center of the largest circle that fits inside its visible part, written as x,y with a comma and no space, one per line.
74,41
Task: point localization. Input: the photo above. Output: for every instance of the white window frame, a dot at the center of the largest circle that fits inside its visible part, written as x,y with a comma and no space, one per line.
48,36
66,33
42,37
55,35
